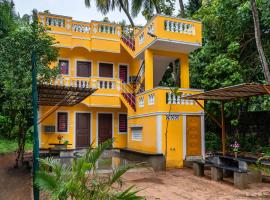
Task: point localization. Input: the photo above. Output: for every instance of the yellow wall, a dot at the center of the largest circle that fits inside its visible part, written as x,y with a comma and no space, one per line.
47,138
97,46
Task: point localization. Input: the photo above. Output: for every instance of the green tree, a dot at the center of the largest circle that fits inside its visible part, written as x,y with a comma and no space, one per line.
15,76
229,54
150,7
7,17
62,181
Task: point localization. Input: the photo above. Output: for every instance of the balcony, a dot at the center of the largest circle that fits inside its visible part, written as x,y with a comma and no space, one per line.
107,87
160,99
97,36
169,34
160,33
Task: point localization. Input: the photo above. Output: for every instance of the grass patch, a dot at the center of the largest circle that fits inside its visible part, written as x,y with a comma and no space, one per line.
8,146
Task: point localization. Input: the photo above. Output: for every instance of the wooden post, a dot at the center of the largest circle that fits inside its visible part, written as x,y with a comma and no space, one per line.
223,134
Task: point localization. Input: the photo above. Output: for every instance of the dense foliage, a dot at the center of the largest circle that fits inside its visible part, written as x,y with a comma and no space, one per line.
229,55
21,36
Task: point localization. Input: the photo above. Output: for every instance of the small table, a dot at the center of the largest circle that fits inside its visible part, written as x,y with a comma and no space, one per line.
59,146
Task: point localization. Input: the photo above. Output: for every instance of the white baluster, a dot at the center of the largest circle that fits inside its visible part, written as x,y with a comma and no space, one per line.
176,26
102,84
178,99
113,85
169,98
174,99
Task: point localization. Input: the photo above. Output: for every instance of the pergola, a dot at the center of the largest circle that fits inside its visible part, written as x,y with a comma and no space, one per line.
60,95
226,94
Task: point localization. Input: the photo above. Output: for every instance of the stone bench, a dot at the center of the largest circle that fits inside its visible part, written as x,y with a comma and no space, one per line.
239,175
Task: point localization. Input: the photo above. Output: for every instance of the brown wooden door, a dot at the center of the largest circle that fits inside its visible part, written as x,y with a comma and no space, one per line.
83,130
104,127
193,136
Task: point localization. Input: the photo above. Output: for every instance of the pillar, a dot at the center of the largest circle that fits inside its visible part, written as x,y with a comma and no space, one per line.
184,71
149,68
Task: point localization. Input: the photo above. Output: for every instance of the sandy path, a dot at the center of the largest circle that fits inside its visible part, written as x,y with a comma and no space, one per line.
182,184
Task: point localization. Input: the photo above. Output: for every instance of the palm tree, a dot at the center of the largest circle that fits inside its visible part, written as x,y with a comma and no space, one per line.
146,5
104,6
182,8
64,182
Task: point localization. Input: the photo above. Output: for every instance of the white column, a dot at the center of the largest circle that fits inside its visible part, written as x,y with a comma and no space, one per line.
203,136
184,136
159,133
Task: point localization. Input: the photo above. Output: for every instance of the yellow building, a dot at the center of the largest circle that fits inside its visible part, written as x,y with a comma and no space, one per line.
129,103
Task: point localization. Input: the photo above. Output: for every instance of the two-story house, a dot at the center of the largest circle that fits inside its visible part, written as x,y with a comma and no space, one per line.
131,104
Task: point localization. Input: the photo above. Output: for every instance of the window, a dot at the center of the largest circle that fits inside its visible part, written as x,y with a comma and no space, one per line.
64,67
62,121
83,69
136,133
106,70
122,123
123,73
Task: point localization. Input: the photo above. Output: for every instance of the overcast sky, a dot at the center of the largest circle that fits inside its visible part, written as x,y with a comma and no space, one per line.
73,8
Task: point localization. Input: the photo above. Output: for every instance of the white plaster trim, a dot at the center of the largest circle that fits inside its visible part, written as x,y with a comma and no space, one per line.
122,133
159,133
83,60
184,125
203,136
75,128
69,65
80,38
124,64
165,113
97,113
108,39
166,40
105,62
59,33
56,121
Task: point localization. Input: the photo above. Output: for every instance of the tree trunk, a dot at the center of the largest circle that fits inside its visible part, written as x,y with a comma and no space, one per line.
257,30
21,144
127,13
156,6
182,8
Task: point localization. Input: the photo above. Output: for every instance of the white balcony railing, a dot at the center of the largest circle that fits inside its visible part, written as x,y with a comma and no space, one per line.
179,27
99,83
177,99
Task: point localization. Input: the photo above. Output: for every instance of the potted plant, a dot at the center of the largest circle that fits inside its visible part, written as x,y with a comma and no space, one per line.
235,147
60,138
62,144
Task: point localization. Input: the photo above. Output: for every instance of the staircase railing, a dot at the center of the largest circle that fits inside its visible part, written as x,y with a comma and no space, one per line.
128,94
139,81
130,42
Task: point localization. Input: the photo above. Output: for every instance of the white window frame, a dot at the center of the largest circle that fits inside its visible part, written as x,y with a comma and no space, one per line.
98,63
69,65
83,60
56,121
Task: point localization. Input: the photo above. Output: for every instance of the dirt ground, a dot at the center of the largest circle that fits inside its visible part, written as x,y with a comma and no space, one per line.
15,184
182,184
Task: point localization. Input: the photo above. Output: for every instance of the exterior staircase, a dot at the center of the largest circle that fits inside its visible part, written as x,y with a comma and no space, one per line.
128,96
